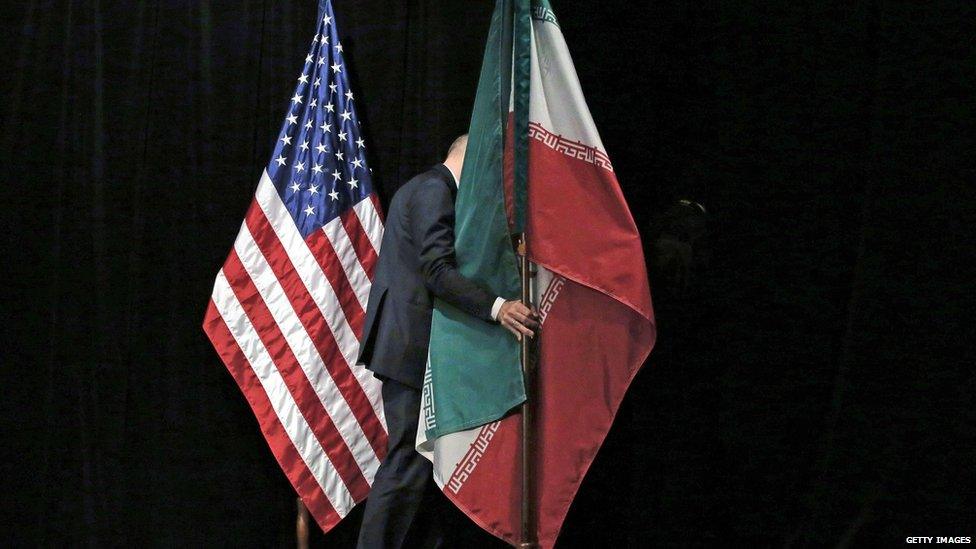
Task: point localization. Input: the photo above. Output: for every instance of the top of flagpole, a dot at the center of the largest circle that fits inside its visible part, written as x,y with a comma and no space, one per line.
521,66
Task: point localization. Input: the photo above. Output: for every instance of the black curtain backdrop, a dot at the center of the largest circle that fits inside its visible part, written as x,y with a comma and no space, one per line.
813,387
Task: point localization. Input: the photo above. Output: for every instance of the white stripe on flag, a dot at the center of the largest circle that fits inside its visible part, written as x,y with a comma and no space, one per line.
369,218
285,407
558,86
344,248
305,352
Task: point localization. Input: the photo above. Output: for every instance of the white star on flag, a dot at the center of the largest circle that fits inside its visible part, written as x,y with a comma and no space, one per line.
349,95
336,175
300,167
292,119
286,139
336,67
358,163
297,99
295,187
342,136
320,147
334,194
304,145
303,79
345,115
317,168
313,189
361,143
353,183
280,160
309,210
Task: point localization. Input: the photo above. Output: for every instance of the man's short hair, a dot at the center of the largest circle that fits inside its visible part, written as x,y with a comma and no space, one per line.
458,145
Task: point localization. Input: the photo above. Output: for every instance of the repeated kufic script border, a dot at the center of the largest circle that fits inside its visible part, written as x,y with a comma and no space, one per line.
572,149
473,456
548,298
465,467
542,13
427,400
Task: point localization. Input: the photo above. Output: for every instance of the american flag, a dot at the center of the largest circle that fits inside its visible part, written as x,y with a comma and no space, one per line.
288,306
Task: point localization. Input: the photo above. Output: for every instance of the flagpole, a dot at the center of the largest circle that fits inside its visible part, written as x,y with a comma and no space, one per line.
301,526
528,512
516,39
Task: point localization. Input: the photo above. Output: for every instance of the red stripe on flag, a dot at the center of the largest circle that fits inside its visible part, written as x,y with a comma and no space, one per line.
327,258
594,342
291,371
317,328
291,463
378,207
360,241
608,257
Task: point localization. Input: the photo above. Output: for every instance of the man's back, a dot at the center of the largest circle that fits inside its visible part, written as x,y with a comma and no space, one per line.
415,263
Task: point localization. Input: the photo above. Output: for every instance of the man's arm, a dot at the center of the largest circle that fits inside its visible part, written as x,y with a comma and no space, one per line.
432,229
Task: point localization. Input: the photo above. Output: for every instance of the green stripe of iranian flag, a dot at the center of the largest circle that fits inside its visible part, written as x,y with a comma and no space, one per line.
474,375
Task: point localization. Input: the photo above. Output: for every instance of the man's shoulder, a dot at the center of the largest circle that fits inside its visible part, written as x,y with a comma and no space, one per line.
421,185
424,182
428,178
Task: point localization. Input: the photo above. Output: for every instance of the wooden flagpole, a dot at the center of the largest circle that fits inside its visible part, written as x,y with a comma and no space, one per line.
528,512
521,82
527,507
301,526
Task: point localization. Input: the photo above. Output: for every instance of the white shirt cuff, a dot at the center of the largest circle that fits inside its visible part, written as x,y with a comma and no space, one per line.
497,307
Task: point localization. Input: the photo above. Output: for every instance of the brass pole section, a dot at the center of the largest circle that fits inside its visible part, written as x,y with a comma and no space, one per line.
528,539
301,526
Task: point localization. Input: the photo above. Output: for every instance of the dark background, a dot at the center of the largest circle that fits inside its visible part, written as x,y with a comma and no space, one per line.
814,386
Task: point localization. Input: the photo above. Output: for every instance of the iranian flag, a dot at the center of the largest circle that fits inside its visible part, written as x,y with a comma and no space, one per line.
534,164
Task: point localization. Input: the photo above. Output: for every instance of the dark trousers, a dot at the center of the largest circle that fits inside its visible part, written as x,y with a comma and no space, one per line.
403,481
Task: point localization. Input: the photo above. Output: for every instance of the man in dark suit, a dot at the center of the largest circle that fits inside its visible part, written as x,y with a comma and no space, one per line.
416,264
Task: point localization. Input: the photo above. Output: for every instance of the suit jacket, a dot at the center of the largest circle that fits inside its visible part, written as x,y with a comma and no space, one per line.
416,263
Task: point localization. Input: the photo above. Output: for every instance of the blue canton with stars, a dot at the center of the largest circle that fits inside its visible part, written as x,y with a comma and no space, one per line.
319,163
